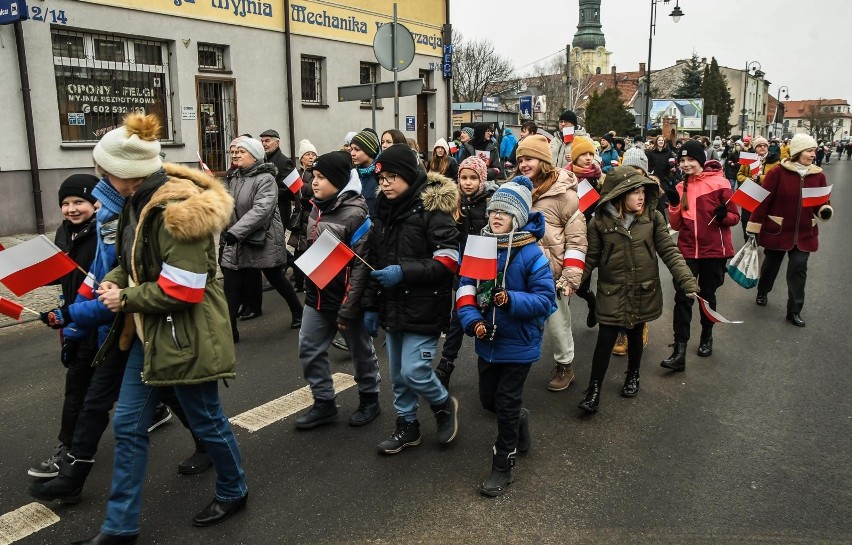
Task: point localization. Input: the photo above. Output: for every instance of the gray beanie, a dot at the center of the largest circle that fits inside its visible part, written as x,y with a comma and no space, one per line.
514,197
635,157
254,147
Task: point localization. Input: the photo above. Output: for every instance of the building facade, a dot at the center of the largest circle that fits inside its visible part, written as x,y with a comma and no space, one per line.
211,71
825,119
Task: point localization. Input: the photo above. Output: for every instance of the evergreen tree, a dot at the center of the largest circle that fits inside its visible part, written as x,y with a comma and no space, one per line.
690,85
717,97
606,112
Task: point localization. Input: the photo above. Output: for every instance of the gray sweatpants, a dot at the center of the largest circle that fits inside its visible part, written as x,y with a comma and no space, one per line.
315,337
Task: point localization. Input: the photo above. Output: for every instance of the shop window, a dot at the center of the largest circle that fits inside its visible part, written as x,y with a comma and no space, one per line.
369,72
101,78
312,80
211,57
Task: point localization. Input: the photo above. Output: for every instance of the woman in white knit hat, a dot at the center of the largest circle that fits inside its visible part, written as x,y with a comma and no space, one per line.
168,303
298,239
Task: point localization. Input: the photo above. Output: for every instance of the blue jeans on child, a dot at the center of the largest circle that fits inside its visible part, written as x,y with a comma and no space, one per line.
410,358
136,405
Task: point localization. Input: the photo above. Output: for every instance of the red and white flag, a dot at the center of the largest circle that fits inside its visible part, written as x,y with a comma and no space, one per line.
815,196
588,195
2,247
204,166
466,295
11,309
567,135
754,168
712,315
33,264
480,258
574,258
747,158
87,288
183,285
454,148
749,195
324,259
294,182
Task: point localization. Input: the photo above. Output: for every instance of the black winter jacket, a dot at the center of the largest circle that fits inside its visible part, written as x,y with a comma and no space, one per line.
659,165
284,166
81,248
417,231
473,214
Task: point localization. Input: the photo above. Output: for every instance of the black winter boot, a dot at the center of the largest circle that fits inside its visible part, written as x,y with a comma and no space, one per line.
407,434
705,346
367,411
631,383
66,487
444,370
446,416
501,476
593,397
199,462
107,539
524,439
323,412
677,361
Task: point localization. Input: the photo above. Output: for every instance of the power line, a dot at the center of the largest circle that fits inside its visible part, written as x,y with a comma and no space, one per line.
539,60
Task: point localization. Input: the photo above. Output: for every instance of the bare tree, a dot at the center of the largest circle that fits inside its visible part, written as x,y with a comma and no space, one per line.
475,65
820,121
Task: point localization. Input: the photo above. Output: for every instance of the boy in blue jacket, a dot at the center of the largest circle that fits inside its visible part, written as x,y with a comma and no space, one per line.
507,318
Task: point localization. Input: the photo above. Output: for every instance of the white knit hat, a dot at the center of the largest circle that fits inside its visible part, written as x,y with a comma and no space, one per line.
132,150
442,143
800,143
305,146
349,136
254,147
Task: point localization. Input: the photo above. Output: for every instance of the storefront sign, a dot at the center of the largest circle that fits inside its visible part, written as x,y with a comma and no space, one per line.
252,13
187,113
12,10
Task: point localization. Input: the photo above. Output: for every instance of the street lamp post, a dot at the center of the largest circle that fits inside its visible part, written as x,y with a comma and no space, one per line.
676,14
778,107
744,111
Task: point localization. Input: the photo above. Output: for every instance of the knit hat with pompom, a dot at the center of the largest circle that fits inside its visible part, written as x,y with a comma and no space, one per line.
132,150
514,197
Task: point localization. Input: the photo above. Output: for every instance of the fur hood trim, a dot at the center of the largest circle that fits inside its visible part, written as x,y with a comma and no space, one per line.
195,205
440,193
812,168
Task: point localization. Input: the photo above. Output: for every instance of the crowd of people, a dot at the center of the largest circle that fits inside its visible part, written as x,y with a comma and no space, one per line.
159,330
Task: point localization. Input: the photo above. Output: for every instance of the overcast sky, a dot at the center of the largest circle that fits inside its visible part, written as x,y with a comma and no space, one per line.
806,46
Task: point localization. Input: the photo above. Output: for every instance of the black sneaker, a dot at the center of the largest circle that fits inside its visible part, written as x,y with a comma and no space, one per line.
446,416
49,468
340,343
161,415
322,412
407,434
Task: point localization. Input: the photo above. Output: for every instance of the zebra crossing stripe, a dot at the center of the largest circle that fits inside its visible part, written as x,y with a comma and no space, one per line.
24,521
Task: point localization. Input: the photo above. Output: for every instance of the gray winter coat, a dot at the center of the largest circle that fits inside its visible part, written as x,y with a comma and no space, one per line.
255,207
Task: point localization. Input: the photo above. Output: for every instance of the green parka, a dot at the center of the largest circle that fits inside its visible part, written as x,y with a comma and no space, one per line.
629,290
178,307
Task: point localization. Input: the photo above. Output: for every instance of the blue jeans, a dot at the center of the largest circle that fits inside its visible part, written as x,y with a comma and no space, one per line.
410,358
136,404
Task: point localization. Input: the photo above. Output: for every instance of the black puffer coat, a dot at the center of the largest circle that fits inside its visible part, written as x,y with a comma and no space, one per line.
417,231
659,165
80,244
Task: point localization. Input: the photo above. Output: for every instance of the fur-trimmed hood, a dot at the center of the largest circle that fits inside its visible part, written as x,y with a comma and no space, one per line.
440,193
194,204
812,168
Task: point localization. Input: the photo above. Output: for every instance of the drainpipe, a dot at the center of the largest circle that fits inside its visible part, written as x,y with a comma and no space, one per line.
28,120
291,129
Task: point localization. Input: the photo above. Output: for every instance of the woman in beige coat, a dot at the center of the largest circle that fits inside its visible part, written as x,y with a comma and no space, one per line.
564,244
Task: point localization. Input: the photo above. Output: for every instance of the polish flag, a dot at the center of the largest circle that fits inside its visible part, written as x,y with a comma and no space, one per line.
33,264
588,195
712,315
294,182
747,158
324,259
204,166
574,258
754,168
186,286
749,195
815,196
453,147
2,247
87,288
480,258
11,309
466,295
567,135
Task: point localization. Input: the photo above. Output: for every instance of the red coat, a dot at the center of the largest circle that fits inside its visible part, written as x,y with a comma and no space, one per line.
698,236
780,220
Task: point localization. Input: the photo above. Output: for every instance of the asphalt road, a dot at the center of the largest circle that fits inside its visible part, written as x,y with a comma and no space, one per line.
751,445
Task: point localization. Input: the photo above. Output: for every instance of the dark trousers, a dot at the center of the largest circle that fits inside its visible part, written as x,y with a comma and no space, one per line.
455,336
298,275
501,389
251,288
234,289
745,215
607,334
77,379
797,275
710,273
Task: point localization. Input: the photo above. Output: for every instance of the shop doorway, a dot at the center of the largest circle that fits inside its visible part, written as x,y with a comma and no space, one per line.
217,120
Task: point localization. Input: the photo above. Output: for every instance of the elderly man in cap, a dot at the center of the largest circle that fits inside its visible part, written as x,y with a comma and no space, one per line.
271,146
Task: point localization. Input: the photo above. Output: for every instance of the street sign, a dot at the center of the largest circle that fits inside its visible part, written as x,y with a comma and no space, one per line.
525,106
364,91
713,122
410,124
383,47
13,10
490,104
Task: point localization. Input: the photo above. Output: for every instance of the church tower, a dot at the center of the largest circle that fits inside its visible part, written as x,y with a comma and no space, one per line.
588,49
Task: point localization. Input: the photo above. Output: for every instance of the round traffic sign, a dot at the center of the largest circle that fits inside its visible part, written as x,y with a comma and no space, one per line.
383,47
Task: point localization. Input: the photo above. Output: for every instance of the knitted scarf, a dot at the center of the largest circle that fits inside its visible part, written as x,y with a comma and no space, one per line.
593,171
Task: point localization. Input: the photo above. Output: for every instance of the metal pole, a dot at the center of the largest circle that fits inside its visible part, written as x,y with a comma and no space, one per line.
28,121
395,72
568,74
373,105
647,117
743,118
291,116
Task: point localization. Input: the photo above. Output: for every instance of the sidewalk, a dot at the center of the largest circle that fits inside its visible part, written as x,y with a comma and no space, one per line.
40,299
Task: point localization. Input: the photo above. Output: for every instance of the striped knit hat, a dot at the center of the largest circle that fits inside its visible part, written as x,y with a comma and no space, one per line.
514,197
368,142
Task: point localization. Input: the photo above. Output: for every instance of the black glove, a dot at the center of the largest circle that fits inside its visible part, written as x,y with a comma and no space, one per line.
671,193
70,347
500,297
54,319
230,239
720,212
484,330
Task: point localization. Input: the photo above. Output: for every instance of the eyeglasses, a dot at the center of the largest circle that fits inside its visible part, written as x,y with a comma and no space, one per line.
499,214
387,179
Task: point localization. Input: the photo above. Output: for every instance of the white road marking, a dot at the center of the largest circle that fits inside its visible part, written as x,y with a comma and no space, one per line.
284,406
24,521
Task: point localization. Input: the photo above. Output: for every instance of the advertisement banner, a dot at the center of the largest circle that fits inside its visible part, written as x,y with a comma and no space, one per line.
525,106
688,111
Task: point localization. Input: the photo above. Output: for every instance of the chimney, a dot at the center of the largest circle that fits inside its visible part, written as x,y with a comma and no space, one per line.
642,68
613,71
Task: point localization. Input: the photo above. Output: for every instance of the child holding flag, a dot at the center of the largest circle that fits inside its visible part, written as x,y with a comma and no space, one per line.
508,321
625,237
700,209
585,166
338,207
563,243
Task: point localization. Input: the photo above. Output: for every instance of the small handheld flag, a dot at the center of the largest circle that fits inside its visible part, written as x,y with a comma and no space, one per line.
588,195
749,195
815,196
11,309
567,135
294,182
33,264
712,315
747,158
480,258
87,288
204,166
324,259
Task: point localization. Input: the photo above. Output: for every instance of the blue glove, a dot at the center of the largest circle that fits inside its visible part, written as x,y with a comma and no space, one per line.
53,318
389,277
371,322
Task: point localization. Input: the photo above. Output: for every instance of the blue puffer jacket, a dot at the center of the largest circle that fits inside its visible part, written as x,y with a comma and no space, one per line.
86,314
532,298
607,157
